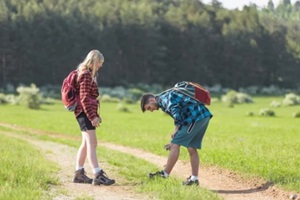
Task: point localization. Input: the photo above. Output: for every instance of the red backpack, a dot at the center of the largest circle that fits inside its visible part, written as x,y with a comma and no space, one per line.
68,92
192,90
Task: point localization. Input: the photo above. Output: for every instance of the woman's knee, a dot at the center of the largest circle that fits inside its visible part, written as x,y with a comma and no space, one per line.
93,144
83,145
91,138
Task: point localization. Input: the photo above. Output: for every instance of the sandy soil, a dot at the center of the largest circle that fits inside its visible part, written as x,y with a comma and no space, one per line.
227,184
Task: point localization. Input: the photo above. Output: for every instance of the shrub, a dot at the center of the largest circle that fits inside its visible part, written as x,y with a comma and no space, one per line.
116,92
122,108
275,104
233,97
12,99
121,93
107,98
244,98
230,105
267,112
154,88
50,91
135,94
215,100
216,88
3,99
128,101
230,97
271,90
48,101
291,99
30,96
249,90
296,114
250,113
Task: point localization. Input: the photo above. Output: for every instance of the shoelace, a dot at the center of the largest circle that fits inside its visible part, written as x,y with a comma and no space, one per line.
103,174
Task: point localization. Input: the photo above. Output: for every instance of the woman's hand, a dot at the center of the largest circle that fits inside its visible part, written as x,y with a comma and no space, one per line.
96,121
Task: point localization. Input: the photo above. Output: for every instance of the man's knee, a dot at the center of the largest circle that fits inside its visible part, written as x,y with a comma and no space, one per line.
174,146
192,150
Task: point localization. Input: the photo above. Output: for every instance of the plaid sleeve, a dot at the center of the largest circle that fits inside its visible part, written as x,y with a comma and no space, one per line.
170,104
175,108
183,109
86,90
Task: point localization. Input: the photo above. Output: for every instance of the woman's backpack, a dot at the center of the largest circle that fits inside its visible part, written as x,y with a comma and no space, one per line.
68,92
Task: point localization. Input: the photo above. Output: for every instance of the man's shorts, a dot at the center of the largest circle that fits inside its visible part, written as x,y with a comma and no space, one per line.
191,135
84,123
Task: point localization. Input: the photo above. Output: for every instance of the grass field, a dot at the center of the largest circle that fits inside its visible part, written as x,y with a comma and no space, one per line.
24,173
256,146
28,175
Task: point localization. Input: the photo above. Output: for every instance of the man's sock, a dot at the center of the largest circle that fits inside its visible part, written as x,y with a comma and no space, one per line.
165,174
193,178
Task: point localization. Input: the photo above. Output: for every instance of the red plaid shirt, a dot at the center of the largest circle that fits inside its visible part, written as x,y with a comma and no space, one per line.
88,93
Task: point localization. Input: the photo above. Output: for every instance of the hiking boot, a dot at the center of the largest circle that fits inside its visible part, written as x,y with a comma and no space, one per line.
190,182
102,178
158,173
80,177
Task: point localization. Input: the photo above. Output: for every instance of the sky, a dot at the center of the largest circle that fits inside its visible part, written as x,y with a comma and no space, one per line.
233,4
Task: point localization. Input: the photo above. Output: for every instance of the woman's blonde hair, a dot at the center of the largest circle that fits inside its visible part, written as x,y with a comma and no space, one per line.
90,62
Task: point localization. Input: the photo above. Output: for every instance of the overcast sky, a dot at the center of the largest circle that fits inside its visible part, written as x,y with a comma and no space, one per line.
232,4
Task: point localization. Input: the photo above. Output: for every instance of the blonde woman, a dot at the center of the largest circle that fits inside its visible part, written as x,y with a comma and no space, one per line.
87,116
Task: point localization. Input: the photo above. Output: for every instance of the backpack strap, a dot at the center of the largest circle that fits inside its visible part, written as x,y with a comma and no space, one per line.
163,92
185,92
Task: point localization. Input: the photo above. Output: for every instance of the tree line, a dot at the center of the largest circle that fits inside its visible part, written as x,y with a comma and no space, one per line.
151,41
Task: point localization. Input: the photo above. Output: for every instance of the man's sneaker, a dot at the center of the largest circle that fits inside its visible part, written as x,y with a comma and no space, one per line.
158,173
102,178
190,182
80,177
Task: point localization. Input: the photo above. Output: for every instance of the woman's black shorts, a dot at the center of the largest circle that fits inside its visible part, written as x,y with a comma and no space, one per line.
84,123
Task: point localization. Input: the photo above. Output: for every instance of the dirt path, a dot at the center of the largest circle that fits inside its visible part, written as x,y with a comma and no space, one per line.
67,190
227,184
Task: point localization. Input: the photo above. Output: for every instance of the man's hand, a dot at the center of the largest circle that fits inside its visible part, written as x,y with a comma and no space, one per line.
167,147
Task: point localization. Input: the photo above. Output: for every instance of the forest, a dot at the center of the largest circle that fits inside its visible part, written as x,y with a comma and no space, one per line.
151,42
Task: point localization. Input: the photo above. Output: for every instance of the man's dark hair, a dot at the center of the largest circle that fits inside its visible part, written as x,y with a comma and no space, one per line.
145,99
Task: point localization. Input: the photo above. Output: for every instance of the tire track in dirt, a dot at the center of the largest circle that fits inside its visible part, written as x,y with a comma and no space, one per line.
226,183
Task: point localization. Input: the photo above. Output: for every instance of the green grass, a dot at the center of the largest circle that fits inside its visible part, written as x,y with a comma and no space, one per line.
267,147
135,171
24,173
128,170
